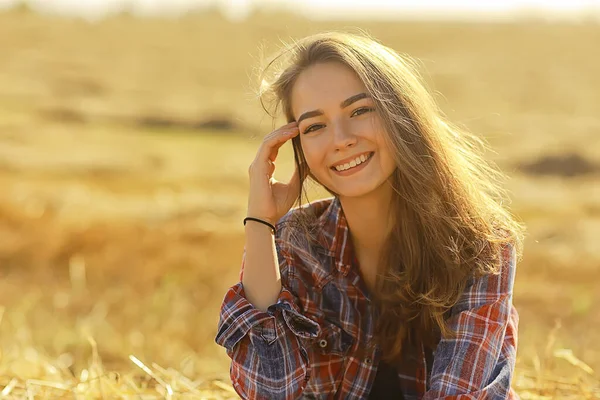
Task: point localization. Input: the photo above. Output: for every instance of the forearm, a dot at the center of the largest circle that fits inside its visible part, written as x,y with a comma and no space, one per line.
266,355
261,277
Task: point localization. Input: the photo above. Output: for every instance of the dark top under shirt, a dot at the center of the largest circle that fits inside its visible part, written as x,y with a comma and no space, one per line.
387,384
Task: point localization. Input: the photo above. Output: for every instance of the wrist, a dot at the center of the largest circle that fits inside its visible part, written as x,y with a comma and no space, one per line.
258,221
272,221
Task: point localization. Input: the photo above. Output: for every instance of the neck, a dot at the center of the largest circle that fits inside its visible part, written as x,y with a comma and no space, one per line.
369,219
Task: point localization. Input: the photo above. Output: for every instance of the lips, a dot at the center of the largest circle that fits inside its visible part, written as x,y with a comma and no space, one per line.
354,170
347,160
368,156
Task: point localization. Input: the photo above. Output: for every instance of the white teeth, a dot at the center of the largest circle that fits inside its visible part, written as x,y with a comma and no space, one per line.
357,161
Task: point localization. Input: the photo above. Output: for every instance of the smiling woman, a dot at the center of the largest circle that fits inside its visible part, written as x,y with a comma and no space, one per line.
400,284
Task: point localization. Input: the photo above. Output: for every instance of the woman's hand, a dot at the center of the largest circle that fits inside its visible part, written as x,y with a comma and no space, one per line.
269,199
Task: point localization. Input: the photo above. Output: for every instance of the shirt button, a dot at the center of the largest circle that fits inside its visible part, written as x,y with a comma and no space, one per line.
323,343
368,360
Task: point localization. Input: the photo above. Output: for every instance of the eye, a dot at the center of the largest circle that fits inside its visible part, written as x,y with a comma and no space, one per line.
312,128
362,110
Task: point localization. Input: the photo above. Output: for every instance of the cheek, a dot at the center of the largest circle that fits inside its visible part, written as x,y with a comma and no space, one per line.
311,154
388,162
387,157
316,160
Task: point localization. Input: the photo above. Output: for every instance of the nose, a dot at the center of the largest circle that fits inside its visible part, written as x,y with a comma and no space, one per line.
343,136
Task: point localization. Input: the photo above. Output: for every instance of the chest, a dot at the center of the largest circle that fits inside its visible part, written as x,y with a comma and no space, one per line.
366,267
347,361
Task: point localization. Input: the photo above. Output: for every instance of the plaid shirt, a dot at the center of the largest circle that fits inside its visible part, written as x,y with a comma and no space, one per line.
304,345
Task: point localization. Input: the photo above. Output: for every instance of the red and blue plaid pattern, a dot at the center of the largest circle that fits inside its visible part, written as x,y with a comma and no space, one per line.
305,345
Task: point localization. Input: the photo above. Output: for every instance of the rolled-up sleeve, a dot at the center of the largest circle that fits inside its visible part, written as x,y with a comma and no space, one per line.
267,357
479,363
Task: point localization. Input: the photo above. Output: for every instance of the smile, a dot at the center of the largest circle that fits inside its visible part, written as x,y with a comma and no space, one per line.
353,166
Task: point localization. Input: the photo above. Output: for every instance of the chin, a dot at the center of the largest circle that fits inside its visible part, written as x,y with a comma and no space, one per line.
354,192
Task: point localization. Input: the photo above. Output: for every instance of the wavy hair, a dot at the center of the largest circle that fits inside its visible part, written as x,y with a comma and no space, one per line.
451,221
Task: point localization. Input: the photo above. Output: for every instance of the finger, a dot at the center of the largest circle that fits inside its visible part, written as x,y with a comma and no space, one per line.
273,155
287,127
289,124
271,168
270,146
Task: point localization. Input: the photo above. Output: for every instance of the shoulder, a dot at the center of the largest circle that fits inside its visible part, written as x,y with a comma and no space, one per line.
310,212
491,286
301,236
499,267
508,266
300,226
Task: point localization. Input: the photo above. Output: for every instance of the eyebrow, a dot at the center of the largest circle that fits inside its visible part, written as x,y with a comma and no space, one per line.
343,104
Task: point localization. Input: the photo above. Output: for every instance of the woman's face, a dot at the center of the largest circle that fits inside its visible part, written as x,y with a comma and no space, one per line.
338,124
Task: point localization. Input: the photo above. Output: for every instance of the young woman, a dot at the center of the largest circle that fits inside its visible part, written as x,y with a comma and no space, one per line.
399,286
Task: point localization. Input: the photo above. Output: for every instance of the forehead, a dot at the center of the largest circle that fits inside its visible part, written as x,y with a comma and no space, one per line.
324,85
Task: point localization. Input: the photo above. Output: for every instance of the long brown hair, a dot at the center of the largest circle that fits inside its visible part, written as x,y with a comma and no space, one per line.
449,210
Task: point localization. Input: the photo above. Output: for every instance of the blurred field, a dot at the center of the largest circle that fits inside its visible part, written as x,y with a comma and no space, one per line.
124,147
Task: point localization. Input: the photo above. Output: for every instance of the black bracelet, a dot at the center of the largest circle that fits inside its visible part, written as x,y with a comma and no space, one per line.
261,221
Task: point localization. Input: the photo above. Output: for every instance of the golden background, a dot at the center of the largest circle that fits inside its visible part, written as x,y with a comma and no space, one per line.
124,148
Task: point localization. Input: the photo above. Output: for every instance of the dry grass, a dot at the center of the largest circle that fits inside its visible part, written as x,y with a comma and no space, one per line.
122,198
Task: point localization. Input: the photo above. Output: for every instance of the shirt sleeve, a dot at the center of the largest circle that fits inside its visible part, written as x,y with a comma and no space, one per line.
267,357
479,363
